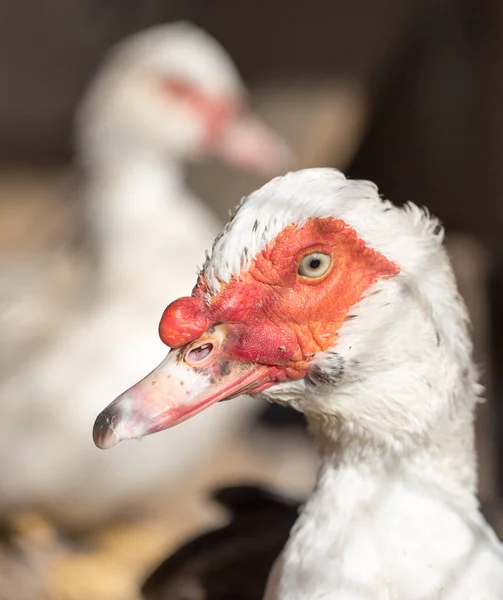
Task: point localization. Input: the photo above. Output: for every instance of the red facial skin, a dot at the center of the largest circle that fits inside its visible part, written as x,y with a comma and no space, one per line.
275,316
216,113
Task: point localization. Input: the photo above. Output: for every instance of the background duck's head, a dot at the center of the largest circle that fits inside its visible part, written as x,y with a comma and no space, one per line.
173,89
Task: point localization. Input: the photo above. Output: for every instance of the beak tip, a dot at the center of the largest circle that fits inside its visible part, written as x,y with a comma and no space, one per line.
104,435
253,146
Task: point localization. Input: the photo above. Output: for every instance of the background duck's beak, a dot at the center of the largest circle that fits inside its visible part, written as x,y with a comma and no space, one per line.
188,380
251,145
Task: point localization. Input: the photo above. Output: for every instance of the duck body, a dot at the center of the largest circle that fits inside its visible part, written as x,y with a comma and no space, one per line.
125,309
323,297
56,464
44,269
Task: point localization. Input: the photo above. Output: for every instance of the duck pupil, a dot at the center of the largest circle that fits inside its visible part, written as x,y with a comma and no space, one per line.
315,263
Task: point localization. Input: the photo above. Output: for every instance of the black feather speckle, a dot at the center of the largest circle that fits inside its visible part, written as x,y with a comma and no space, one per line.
327,372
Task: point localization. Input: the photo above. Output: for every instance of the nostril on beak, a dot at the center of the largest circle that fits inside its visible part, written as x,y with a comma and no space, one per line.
199,353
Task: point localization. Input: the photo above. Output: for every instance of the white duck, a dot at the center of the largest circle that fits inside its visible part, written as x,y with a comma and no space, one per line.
321,296
164,96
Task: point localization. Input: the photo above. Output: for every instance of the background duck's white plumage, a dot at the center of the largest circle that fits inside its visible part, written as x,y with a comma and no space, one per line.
149,233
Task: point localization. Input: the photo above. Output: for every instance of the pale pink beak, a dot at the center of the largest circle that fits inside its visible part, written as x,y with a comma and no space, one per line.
250,145
188,380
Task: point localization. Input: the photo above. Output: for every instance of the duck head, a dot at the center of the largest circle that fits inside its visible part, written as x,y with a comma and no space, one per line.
173,90
321,296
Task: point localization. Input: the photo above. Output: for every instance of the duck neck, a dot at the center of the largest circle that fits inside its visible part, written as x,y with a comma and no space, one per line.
133,186
353,456
376,512
404,406
126,198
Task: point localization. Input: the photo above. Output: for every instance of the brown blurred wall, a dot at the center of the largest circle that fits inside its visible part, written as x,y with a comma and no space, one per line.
433,68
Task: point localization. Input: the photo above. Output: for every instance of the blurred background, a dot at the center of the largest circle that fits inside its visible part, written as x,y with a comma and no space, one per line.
406,93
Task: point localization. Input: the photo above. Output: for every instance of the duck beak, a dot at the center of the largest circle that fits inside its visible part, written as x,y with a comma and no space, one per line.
250,145
187,381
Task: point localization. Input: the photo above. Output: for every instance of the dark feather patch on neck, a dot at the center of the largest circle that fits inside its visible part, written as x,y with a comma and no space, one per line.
328,371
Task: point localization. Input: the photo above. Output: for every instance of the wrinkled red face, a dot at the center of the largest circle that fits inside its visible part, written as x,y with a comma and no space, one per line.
276,315
262,327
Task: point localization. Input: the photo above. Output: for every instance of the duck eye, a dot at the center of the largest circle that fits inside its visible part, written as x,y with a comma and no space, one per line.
314,265
177,88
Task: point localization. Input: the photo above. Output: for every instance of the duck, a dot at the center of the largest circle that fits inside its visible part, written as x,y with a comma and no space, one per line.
164,97
322,296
